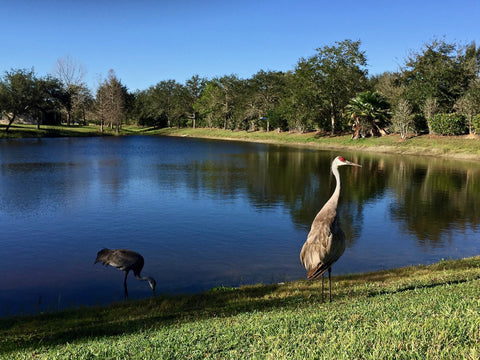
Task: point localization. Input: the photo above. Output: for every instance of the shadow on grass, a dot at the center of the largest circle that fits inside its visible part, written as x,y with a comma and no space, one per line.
128,317
28,333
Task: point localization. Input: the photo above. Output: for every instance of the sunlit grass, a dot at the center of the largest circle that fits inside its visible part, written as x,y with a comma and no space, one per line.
414,312
460,146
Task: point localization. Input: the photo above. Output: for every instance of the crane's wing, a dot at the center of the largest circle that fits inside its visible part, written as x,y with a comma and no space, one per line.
325,243
122,259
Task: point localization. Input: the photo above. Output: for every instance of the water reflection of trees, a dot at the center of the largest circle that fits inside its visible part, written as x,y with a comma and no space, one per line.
429,198
432,199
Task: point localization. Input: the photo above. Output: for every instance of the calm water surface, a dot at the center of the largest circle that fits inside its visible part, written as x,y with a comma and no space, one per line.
211,213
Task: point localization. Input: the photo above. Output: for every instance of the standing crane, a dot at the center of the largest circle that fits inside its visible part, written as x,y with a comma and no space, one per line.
125,260
326,240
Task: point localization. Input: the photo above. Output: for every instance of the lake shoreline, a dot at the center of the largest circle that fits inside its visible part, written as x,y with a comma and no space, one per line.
342,142
466,147
432,305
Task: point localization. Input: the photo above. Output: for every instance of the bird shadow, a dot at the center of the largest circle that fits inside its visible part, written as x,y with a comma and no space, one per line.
413,287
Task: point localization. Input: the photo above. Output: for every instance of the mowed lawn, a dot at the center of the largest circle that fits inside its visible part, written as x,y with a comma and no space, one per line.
423,312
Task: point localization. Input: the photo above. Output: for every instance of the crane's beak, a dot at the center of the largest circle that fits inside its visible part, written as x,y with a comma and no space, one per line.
353,164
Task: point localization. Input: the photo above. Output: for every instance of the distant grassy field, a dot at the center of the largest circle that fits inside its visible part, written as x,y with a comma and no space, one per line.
423,312
464,147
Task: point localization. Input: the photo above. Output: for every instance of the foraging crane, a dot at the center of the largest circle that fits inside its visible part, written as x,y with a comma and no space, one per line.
125,260
326,241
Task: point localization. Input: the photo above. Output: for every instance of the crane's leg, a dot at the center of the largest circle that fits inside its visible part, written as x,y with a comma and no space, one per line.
322,287
330,283
125,284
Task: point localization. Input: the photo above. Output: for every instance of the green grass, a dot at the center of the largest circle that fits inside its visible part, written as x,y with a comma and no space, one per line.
423,312
447,146
31,131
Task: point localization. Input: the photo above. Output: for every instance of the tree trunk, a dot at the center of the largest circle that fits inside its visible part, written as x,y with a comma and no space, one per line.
10,122
332,109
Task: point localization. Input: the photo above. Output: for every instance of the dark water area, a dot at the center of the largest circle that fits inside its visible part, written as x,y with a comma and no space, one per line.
211,213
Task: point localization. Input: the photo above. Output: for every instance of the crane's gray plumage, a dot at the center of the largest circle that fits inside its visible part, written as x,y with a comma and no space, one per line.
326,240
125,260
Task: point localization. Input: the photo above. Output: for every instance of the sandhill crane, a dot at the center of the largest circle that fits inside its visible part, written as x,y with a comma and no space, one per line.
326,241
125,260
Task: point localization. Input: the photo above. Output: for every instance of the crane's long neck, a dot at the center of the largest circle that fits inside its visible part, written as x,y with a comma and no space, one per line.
143,278
336,194
151,281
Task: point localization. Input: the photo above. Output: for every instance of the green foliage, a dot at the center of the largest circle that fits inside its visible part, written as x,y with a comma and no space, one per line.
22,93
440,70
449,124
440,77
369,114
402,120
329,79
476,124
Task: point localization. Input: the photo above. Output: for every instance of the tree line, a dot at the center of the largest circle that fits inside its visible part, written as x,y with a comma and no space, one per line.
436,90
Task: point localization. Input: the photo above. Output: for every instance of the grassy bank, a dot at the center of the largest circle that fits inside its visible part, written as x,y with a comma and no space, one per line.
20,131
462,147
423,312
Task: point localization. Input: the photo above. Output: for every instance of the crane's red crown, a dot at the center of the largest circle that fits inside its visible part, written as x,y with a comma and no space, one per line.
341,158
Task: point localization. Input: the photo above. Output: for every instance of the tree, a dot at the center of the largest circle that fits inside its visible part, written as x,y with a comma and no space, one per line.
207,105
110,102
430,108
163,97
333,76
47,95
390,87
17,91
194,87
369,112
82,102
225,96
71,74
301,107
402,119
442,71
219,100
469,104
267,89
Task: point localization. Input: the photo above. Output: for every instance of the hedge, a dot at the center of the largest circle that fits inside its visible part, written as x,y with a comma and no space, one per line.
449,124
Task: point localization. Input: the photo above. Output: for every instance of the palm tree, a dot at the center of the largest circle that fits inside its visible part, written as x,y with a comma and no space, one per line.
370,114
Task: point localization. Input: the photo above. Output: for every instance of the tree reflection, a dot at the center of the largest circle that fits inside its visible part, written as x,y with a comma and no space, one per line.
428,197
432,199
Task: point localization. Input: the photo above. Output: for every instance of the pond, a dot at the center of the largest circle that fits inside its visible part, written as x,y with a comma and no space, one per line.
209,213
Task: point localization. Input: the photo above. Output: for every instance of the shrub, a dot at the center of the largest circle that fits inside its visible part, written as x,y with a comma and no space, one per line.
402,120
448,124
476,124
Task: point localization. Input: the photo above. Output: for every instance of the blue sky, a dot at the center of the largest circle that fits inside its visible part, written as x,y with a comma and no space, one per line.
146,41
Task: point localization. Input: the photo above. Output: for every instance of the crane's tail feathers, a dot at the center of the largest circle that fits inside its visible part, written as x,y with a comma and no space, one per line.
317,272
